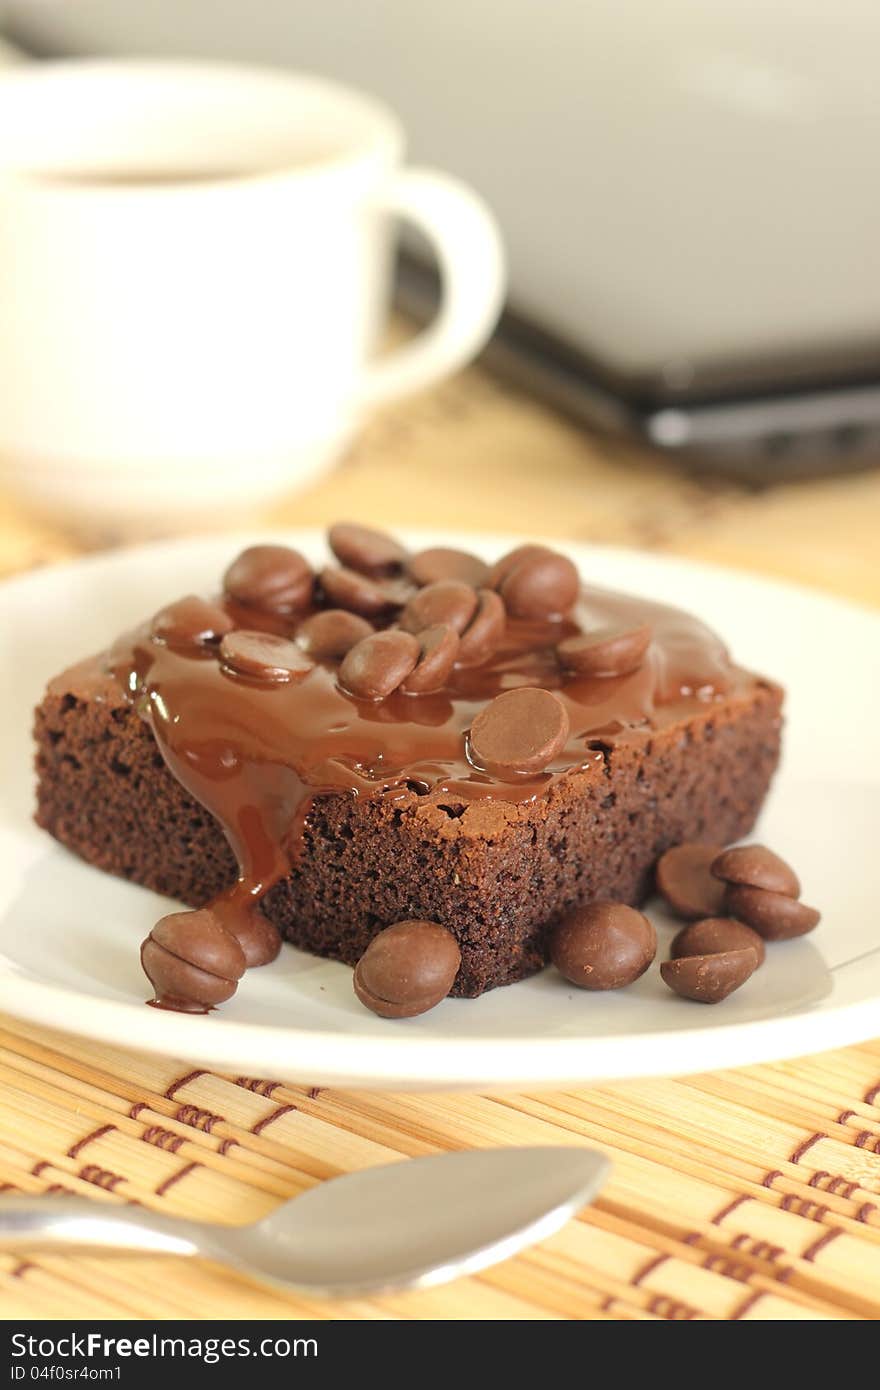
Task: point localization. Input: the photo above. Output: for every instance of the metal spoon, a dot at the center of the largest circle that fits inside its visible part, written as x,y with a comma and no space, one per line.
403,1225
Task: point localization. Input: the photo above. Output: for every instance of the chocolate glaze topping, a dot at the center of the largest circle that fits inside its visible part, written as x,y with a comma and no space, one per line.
256,752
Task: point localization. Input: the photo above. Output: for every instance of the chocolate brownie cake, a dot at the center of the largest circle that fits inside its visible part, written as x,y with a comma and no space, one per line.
403,736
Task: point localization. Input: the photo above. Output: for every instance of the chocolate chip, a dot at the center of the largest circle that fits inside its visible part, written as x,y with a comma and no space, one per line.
378,664
684,879
536,583
180,986
191,961
198,937
264,657
439,648
255,934
407,969
709,979
361,548
448,601
520,731
371,598
484,631
329,635
609,651
757,867
775,916
190,622
603,946
715,935
505,566
441,562
270,577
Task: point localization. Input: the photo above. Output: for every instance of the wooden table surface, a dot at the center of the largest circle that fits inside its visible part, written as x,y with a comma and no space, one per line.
741,1194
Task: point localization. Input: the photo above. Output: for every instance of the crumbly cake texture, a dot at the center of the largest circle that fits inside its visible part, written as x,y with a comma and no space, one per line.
498,874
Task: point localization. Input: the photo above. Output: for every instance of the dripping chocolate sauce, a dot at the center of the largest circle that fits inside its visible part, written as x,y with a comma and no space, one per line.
255,753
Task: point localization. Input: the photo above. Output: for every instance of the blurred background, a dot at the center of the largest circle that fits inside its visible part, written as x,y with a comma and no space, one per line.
689,356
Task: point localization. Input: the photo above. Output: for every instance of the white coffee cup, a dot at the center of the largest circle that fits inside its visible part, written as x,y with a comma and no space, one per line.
194,278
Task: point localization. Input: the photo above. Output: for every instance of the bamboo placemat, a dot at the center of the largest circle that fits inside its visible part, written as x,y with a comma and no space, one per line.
748,1194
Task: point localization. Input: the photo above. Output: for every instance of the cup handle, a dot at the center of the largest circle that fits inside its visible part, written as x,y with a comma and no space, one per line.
465,237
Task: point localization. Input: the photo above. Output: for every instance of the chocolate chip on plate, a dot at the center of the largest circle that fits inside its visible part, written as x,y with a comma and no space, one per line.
446,601
439,648
346,588
520,731
407,969
484,631
709,979
258,938
361,548
270,577
191,961
536,583
604,946
378,664
685,881
328,635
442,562
714,935
757,867
608,651
775,916
190,622
264,656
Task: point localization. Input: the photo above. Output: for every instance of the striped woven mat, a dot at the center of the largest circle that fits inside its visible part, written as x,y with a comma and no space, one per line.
745,1194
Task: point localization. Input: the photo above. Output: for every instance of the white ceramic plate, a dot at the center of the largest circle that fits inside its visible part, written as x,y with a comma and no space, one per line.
69,934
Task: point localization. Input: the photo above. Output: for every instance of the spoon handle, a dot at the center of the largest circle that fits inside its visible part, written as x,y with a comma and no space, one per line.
70,1223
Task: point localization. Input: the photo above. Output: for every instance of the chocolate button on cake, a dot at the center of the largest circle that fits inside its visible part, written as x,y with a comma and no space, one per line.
448,601
264,656
359,593
606,652
332,633
519,732
362,548
273,578
483,633
191,622
438,650
441,562
421,738
536,583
